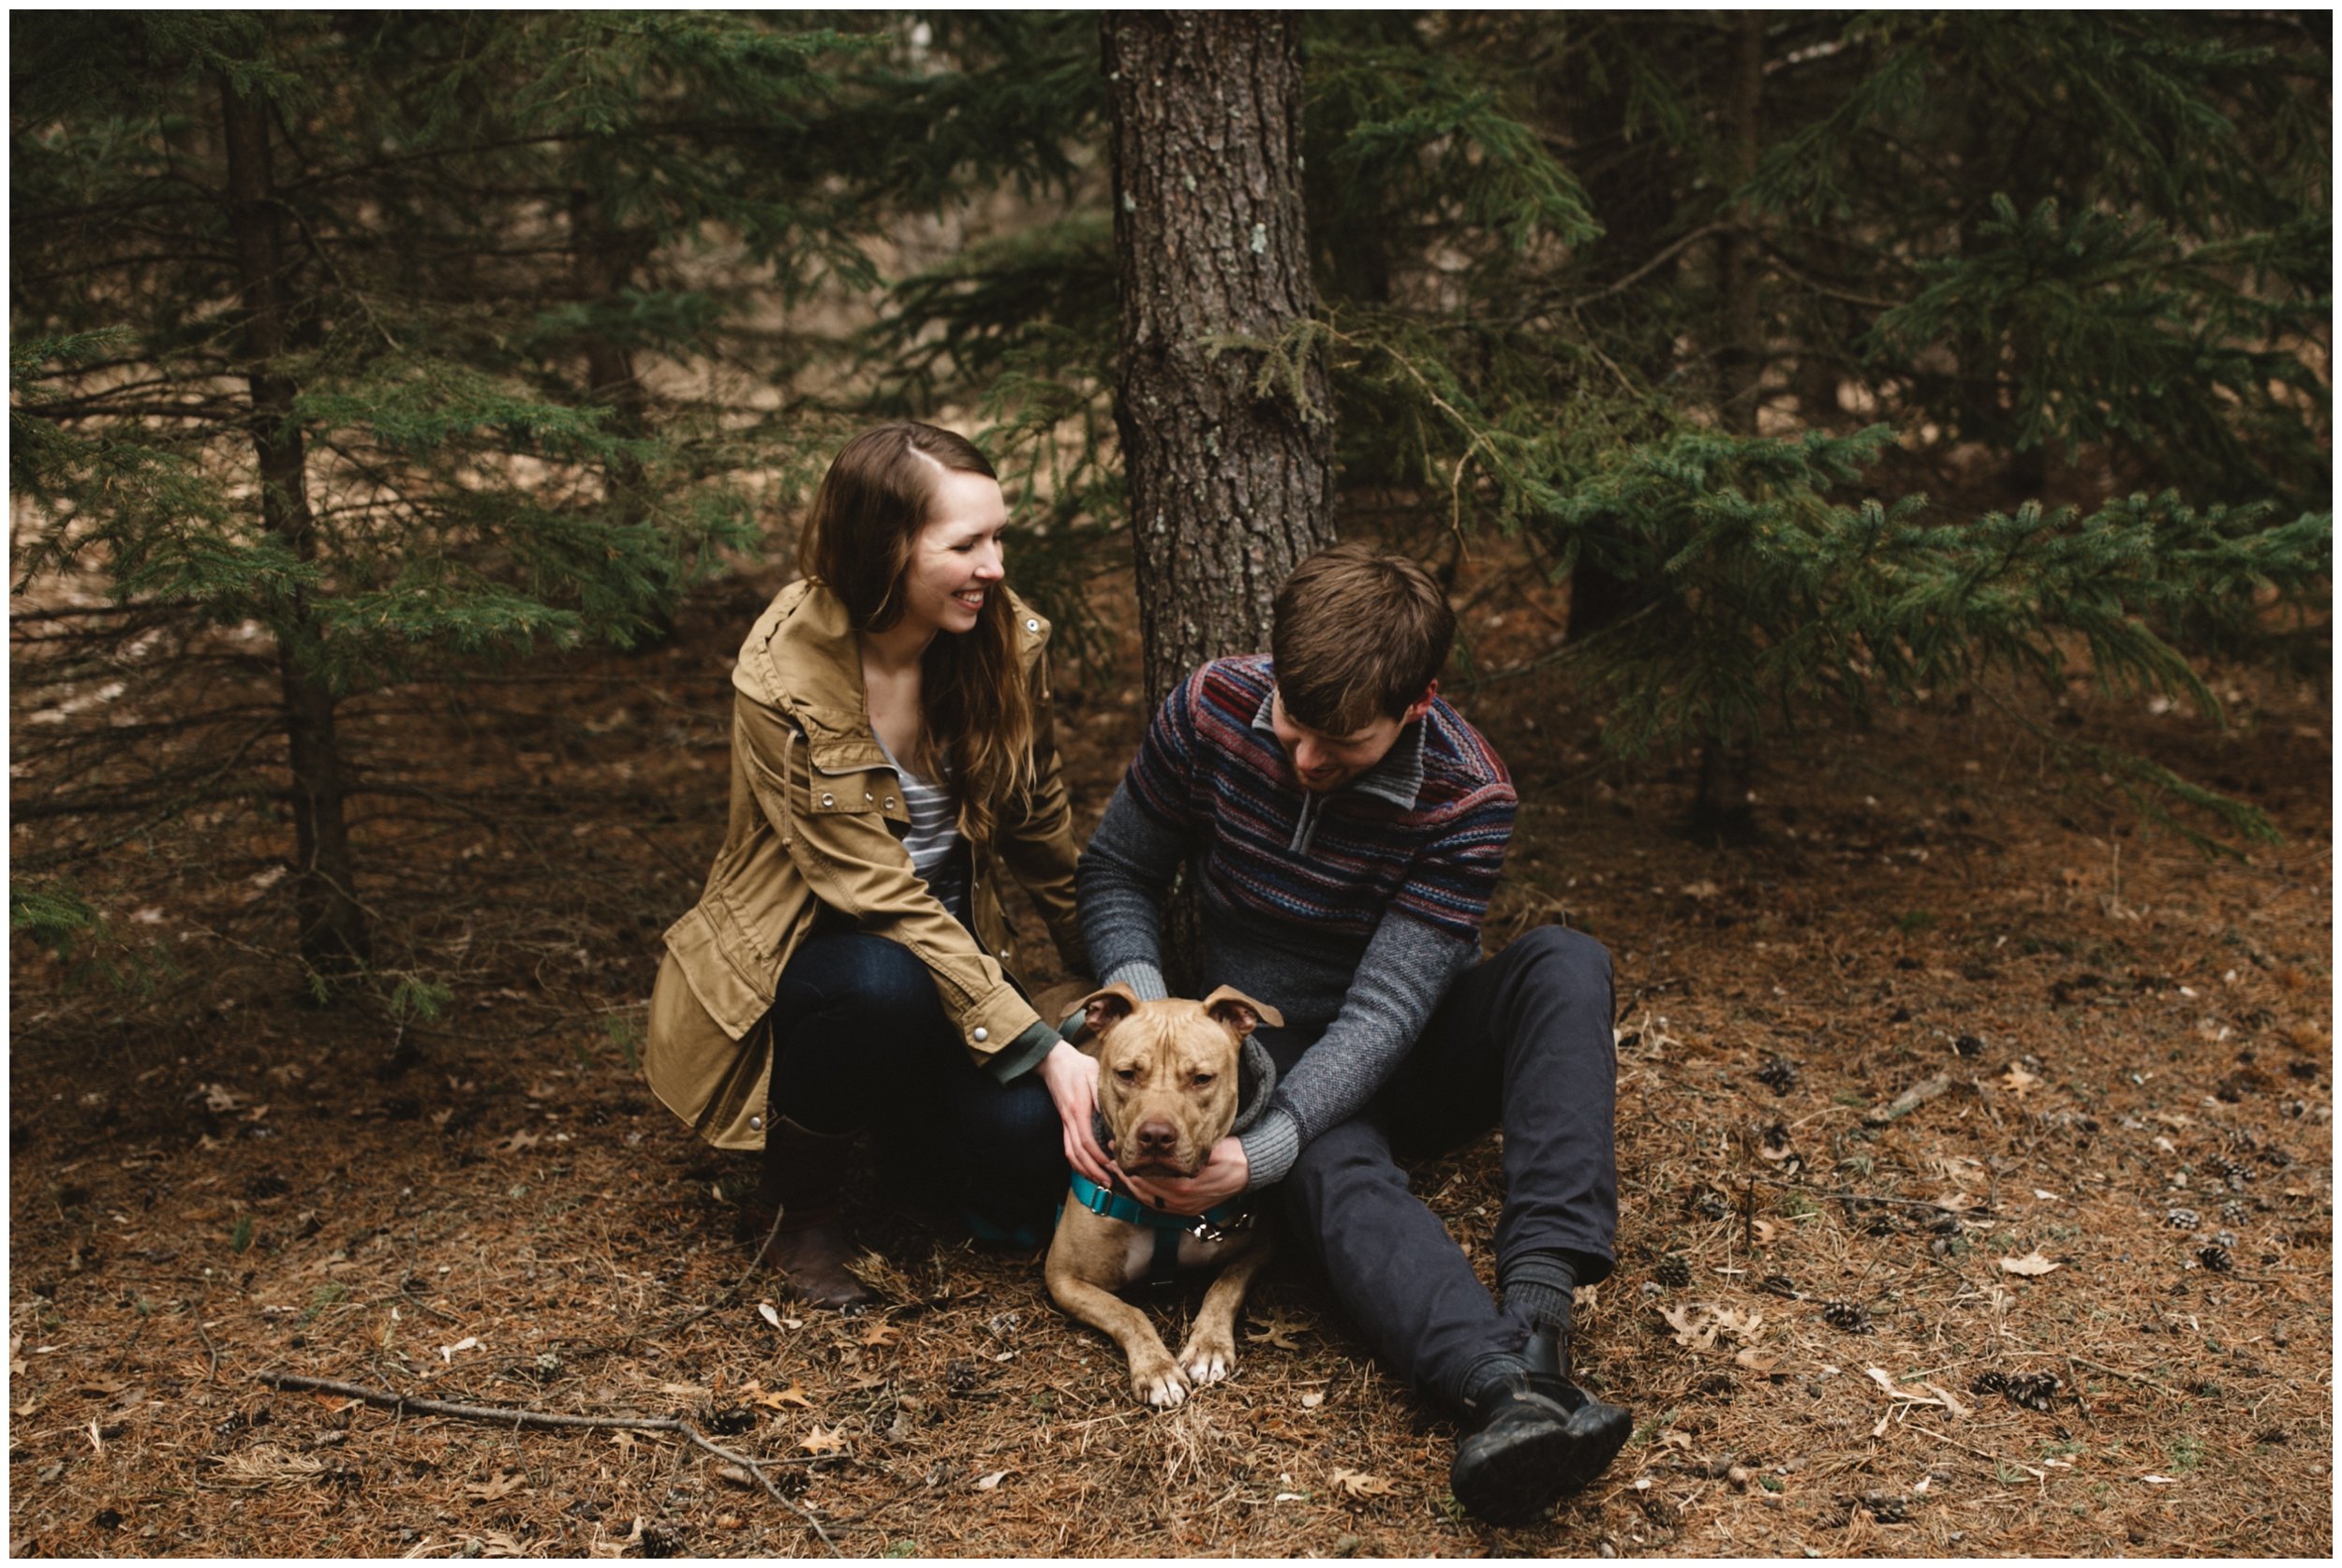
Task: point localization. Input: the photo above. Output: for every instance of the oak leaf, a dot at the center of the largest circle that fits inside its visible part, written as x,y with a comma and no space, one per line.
1278,1331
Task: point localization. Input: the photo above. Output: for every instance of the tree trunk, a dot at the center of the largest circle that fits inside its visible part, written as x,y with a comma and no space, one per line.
1740,364
1629,186
1229,490
333,926
1720,812
601,268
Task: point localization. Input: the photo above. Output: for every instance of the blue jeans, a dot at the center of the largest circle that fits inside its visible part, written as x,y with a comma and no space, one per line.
860,1041
1521,1040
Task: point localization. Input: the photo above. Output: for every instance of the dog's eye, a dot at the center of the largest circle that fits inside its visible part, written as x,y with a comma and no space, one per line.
1128,1074
1203,1078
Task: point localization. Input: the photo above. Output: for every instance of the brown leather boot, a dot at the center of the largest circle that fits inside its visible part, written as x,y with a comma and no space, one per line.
803,1173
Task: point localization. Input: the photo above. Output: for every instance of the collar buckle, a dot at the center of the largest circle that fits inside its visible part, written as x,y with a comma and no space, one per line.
1208,1229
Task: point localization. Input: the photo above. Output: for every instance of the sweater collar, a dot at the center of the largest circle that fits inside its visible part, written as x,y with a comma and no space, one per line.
1397,778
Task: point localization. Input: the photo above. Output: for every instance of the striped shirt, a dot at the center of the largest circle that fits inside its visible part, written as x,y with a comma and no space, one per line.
1351,912
1423,832
933,841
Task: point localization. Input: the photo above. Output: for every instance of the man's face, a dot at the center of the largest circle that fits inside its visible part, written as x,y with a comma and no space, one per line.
1321,762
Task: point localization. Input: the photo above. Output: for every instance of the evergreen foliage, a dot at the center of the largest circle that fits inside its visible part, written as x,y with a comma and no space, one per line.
1703,338
1797,603
2059,261
511,353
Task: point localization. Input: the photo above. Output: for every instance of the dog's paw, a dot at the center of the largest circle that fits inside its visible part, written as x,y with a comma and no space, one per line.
1207,1360
1159,1383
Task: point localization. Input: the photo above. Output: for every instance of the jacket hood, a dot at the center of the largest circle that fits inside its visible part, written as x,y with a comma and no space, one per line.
801,657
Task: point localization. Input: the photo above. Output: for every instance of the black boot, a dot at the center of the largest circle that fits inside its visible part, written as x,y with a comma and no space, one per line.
804,1172
1533,1437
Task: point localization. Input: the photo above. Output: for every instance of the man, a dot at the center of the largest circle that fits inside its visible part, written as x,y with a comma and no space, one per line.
1346,828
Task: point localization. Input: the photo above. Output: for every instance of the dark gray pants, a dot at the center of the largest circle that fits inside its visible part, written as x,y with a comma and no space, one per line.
1521,1040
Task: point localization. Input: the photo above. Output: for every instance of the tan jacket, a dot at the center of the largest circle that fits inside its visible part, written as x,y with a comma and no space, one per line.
816,819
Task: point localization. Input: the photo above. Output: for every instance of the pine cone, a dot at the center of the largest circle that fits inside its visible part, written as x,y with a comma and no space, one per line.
2233,1212
1846,1315
2183,1219
2215,1258
1709,1203
2033,1390
1780,1284
1673,1272
1778,1074
1985,1385
1888,1508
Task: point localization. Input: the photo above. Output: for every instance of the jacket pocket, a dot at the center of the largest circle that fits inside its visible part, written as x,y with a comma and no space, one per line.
722,966
742,1078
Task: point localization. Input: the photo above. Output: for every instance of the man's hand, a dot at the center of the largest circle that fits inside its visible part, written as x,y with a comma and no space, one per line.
1224,1174
1072,1080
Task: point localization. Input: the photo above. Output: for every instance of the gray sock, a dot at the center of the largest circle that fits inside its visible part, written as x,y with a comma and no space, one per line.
1538,1287
1490,1373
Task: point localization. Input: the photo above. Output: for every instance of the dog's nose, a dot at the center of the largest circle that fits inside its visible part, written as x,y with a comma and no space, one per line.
1156,1137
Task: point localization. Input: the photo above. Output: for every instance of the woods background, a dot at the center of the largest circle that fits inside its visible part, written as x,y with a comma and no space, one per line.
408,411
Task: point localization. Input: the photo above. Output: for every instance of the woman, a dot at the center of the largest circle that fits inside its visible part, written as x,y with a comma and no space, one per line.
846,965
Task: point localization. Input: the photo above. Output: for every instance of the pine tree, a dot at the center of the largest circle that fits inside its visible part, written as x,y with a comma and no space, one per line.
1552,250
1229,490
376,292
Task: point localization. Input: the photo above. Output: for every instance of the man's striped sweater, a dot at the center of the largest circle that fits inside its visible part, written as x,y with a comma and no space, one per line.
1350,912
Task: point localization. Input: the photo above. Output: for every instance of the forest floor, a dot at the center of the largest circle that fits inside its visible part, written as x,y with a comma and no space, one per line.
2079,1302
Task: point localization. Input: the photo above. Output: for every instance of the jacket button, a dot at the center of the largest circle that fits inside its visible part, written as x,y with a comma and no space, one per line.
865,794
890,803
1033,625
829,800
981,1034
756,1124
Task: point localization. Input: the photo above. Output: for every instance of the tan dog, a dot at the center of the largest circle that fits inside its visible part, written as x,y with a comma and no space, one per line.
1168,1089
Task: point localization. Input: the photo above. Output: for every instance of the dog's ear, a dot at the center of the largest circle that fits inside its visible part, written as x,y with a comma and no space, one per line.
1108,1007
1240,1013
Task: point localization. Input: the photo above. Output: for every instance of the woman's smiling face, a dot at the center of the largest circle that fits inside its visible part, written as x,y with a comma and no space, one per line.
956,562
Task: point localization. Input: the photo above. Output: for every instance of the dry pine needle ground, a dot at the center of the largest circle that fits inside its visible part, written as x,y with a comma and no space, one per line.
2075,1300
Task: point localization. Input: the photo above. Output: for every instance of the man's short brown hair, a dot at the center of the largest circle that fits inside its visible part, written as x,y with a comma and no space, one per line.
1359,633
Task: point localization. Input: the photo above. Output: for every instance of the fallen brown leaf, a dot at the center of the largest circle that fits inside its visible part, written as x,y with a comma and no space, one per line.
1359,1484
496,1486
1278,1330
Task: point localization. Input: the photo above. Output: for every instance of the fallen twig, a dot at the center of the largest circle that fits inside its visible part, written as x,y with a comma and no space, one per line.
1980,1452
520,1416
197,1318
1984,1209
1908,1100
2102,1367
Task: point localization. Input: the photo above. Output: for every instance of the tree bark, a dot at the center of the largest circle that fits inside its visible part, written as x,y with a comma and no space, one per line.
333,925
1720,812
1630,185
1229,490
602,260
1742,363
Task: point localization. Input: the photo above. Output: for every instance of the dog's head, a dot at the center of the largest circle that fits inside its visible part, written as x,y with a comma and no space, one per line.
1167,1073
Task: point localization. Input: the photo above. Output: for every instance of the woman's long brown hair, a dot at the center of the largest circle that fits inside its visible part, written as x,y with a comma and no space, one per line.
976,716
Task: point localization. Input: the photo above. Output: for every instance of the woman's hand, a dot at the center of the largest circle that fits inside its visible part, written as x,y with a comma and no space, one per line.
1072,1080
1225,1173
